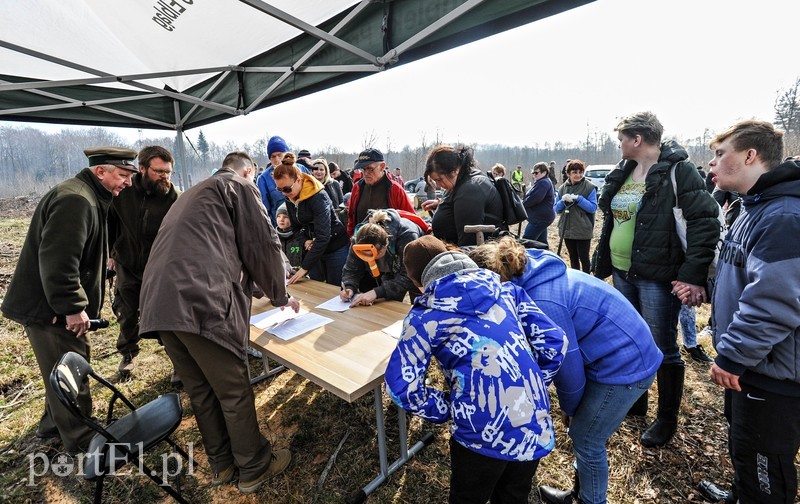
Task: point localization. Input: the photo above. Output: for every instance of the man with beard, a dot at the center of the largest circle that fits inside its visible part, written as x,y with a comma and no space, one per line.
133,222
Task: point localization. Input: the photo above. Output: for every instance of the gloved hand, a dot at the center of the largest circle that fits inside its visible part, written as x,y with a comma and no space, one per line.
568,198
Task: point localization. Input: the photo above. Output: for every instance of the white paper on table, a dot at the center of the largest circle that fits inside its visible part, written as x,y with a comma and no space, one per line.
276,316
395,330
299,325
335,304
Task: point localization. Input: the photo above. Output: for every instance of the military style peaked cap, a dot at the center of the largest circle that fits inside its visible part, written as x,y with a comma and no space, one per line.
116,156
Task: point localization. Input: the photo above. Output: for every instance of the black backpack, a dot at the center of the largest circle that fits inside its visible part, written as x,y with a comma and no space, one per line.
513,209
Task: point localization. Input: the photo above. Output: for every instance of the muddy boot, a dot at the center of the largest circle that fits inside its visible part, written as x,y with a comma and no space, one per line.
670,390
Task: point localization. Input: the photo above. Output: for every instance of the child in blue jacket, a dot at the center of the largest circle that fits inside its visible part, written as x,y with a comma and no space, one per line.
612,358
499,353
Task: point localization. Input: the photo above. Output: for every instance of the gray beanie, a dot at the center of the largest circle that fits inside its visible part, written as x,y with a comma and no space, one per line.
282,210
446,263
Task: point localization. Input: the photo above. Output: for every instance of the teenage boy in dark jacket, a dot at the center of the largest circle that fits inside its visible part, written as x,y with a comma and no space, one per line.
757,313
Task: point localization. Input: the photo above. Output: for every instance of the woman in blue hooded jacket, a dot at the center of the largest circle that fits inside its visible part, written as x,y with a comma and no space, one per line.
498,352
611,359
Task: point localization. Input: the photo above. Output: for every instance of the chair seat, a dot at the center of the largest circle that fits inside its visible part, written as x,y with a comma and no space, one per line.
148,425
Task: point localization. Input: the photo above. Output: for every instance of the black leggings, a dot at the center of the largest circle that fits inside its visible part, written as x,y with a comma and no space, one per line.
578,254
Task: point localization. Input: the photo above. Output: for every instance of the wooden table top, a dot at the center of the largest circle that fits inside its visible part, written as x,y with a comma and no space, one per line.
347,356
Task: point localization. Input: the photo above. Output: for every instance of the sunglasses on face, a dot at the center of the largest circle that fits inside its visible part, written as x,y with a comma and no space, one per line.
287,189
161,173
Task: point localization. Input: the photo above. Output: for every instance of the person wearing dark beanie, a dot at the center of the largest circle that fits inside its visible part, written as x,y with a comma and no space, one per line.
501,351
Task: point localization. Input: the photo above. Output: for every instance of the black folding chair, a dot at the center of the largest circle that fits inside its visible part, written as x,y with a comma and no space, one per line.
121,440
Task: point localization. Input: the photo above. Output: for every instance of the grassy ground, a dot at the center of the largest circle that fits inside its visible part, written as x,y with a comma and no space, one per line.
297,414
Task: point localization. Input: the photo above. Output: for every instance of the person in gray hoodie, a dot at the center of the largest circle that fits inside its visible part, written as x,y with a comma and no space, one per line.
756,316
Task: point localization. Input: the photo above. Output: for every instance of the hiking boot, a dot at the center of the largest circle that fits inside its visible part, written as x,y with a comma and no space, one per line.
280,461
127,365
698,353
47,433
175,380
226,476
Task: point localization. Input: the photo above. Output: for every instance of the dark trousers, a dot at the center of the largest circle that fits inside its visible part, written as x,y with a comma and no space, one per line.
223,402
578,254
126,308
764,441
477,478
49,343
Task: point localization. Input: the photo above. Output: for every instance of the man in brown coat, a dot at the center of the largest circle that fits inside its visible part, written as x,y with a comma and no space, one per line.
215,244
57,286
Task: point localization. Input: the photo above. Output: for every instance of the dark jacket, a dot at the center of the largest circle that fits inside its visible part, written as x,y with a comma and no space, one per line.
346,181
63,262
334,191
539,202
394,279
472,201
214,245
577,219
133,223
657,253
312,211
756,308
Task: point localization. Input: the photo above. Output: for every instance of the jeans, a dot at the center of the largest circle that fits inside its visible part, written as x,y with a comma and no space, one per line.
658,307
688,320
536,231
600,413
329,268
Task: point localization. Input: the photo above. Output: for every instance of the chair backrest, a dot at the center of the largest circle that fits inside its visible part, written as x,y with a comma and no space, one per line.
70,374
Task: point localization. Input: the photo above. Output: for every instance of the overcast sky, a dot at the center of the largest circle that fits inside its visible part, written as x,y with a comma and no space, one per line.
698,64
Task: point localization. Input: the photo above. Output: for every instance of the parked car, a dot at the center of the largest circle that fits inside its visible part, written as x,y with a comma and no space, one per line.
597,173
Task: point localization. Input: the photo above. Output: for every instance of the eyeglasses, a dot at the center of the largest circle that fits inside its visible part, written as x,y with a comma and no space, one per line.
370,169
286,190
161,173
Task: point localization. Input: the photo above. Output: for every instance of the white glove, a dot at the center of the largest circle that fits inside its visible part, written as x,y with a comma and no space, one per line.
568,198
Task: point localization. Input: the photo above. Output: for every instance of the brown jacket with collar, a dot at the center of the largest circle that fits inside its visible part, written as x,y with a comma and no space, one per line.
214,245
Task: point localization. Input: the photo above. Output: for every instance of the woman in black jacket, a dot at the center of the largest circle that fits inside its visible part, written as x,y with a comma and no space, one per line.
640,247
320,171
470,196
310,208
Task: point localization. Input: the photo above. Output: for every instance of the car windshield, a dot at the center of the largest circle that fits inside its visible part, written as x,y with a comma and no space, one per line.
597,173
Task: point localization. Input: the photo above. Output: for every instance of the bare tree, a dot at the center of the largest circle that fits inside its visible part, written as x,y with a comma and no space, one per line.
787,108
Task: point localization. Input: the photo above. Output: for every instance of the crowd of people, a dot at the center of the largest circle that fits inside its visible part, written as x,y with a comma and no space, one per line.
502,320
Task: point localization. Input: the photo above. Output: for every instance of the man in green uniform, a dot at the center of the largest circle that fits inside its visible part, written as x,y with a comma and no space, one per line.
58,283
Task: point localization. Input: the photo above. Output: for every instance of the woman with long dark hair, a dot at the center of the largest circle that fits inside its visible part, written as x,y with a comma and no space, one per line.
469,195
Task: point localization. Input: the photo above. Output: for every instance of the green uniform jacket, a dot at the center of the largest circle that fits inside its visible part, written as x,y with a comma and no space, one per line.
133,223
63,262
657,253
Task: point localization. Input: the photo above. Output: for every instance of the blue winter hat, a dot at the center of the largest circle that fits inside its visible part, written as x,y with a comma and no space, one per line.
277,144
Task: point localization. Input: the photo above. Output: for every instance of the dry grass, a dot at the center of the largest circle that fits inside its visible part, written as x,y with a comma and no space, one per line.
297,414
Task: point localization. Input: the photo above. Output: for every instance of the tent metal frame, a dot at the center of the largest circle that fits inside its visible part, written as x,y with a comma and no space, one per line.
220,76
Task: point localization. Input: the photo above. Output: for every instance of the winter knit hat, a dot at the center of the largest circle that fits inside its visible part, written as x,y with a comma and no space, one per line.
277,144
282,210
446,263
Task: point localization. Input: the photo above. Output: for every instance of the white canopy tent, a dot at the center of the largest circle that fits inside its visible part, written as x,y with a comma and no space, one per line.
180,64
